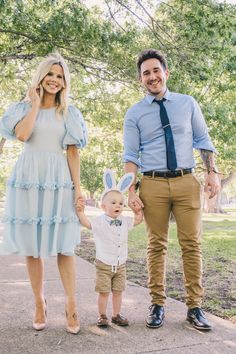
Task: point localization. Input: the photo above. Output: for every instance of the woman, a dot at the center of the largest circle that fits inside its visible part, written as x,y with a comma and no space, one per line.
40,219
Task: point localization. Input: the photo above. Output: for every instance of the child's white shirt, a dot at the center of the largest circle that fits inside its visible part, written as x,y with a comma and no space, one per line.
111,241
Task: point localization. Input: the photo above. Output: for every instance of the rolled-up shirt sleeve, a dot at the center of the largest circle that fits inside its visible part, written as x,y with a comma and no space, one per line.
131,140
201,138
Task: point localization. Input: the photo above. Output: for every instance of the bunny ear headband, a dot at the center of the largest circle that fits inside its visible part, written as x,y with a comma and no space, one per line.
110,183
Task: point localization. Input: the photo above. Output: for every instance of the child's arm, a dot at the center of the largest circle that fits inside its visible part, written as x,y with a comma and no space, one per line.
80,213
138,217
84,220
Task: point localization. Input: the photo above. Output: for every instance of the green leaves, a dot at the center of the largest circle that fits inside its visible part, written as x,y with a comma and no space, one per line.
101,46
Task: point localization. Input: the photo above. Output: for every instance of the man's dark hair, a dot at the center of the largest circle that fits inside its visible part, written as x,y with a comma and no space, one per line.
151,54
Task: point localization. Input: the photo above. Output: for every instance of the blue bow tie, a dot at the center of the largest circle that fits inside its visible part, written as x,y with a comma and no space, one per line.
116,222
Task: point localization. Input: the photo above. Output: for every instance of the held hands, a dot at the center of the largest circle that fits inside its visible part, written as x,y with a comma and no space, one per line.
139,216
79,201
79,207
212,184
135,202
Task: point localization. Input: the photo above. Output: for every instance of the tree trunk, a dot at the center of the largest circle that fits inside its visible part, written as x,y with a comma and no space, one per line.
214,205
91,195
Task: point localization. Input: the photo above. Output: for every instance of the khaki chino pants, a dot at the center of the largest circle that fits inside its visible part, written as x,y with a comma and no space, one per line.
182,196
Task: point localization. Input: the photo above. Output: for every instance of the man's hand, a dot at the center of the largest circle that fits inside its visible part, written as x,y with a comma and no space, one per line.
134,202
212,184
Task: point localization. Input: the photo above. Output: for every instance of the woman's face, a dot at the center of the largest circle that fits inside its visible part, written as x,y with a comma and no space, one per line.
53,82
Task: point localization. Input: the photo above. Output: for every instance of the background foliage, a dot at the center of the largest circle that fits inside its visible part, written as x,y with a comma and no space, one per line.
101,46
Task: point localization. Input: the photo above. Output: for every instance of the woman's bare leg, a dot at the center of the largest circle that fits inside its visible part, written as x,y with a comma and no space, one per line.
66,266
35,267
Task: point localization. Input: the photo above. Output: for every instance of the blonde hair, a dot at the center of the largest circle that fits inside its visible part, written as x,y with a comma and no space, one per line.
43,69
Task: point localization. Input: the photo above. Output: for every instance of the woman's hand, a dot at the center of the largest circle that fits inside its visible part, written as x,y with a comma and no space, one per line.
34,95
79,201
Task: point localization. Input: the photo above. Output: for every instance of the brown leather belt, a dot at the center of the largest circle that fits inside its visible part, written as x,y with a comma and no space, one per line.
168,174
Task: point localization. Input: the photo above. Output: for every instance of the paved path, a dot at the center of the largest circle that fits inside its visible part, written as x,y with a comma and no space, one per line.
18,337
175,337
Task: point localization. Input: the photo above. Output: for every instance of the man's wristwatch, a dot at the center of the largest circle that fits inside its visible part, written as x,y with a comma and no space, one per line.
213,169
137,185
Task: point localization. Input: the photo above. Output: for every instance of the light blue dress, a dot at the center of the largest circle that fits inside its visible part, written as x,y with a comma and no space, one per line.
40,218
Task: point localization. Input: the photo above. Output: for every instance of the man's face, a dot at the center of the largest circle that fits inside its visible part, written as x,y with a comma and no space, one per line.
153,77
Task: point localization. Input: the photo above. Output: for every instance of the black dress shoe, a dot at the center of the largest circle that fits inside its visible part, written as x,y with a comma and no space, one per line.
198,319
156,316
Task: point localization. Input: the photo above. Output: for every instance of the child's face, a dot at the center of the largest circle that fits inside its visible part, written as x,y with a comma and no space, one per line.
113,204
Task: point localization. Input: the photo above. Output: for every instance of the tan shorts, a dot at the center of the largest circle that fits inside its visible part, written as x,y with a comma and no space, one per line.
106,280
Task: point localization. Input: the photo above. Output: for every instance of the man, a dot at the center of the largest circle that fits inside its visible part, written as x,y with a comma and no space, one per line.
160,133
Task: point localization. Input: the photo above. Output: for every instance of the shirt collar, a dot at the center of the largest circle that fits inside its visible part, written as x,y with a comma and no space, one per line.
108,218
150,98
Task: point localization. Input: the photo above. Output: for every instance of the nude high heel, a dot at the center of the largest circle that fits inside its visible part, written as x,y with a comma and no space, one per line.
39,326
73,324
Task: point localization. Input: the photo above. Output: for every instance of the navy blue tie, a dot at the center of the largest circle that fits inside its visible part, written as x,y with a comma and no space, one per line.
170,145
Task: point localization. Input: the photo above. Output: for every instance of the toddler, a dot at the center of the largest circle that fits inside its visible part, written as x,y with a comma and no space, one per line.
110,231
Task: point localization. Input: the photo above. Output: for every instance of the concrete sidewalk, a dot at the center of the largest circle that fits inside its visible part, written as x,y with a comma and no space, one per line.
16,314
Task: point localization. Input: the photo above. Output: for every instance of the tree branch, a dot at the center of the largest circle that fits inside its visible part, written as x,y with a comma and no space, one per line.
17,33
18,56
113,17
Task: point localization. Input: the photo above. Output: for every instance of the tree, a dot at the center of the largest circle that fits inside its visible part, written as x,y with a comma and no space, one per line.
91,174
101,48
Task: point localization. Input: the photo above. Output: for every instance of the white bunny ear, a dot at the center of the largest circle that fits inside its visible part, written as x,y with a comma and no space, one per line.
125,182
109,179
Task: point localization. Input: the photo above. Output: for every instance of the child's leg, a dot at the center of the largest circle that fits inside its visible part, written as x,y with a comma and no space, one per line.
102,303
103,285
116,302
117,318
118,286
102,320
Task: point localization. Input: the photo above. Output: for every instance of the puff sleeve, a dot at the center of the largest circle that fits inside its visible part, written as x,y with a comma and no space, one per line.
11,117
76,130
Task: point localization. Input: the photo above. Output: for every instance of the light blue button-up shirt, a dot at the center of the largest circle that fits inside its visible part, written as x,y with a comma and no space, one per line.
144,137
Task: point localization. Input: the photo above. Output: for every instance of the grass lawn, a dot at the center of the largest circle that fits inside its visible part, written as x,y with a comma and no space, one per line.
219,262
